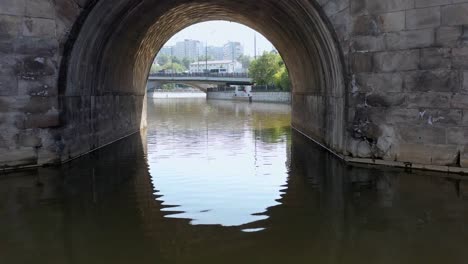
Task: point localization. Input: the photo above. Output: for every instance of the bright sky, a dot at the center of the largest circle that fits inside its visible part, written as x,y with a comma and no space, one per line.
217,33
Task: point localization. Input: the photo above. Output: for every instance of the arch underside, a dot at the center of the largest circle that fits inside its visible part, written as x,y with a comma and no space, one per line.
109,63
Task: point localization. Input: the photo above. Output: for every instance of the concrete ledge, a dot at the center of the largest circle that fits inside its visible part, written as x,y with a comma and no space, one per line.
407,165
385,163
35,166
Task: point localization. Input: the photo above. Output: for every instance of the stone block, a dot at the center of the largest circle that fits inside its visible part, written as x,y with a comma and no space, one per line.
385,99
455,14
365,25
40,8
440,117
410,39
426,3
47,120
394,115
432,81
459,101
429,99
379,82
31,67
423,18
40,87
36,46
9,27
460,58
368,43
426,134
444,155
12,7
361,62
8,85
396,61
8,65
18,157
39,27
40,104
390,22
357,7
415,153
6,47
457,135
28,138
387,6
434,58
448,36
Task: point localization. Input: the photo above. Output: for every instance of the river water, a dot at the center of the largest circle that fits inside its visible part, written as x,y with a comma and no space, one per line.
228,182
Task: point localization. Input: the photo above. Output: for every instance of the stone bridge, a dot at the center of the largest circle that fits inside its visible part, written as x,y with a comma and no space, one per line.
201,81
381,81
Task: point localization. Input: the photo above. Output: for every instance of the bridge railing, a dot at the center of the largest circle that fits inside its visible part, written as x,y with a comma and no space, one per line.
195,74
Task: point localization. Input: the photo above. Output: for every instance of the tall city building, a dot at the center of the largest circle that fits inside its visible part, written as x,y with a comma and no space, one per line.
216,53
233,50
188,48
166,50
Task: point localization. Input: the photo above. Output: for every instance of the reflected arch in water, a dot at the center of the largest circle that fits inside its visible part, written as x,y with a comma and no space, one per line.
110,53
218,162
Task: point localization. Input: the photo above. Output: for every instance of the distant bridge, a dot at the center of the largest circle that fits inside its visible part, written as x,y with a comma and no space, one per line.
201,81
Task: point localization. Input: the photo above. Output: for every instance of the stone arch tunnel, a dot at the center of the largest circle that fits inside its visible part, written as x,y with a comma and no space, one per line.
381,80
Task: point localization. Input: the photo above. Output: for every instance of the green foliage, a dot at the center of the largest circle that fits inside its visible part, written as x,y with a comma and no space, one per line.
176,67
282,80
186,62
269,69
155,68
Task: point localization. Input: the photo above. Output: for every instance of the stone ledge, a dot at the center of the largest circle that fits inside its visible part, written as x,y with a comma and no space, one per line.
400,164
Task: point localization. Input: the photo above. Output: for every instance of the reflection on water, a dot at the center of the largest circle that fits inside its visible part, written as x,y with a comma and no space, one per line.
221,182
225,166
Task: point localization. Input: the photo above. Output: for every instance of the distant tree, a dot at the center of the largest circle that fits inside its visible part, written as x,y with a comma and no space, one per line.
186,62
245,60
282,79
176,60
263,69
176,67
155,68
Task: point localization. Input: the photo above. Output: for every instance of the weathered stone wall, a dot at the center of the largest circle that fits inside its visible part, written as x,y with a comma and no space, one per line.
39,123
30,37
408,63
383,79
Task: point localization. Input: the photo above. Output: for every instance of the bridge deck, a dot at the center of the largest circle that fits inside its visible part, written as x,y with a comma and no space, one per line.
235,78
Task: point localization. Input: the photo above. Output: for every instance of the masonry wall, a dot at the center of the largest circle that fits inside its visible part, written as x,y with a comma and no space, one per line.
405,68
408,71
39,124
31,33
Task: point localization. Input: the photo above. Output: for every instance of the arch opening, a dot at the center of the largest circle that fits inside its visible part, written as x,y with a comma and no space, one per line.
110,60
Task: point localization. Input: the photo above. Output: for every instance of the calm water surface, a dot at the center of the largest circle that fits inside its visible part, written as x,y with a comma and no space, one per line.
227,182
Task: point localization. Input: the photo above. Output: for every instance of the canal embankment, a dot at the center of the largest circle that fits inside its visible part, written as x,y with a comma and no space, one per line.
266,97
